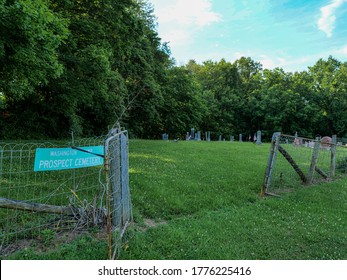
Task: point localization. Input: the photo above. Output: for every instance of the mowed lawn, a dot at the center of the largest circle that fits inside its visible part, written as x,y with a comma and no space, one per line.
204,198
200,200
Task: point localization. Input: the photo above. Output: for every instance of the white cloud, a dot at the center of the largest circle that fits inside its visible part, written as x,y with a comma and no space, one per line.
267,62
178,20
193,12
326,22
342,51
286,62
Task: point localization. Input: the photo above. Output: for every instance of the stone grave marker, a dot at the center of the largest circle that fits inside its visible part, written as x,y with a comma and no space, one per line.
258,137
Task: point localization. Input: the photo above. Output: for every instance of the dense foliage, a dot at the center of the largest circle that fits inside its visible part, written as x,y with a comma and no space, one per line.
85,65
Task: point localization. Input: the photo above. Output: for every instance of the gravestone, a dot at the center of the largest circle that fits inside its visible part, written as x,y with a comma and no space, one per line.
165,136
192,134
220,137
297,140
232,138
326,142
198,136
208,136
240,138
258,137
187,136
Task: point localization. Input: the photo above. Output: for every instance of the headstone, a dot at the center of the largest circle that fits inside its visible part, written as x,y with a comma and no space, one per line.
192,134
198,136
208,136
297,140
232,138
187,136
165,136
258,137
326,142
240,138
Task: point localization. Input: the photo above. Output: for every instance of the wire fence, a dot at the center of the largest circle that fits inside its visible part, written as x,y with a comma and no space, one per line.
296,161
39,205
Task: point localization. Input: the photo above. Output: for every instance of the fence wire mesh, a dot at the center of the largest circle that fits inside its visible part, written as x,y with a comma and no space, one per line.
296,161
33,204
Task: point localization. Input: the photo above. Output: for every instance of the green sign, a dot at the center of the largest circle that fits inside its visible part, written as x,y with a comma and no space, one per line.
48,159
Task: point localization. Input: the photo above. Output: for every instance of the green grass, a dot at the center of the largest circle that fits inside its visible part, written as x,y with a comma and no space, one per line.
170,180
204,197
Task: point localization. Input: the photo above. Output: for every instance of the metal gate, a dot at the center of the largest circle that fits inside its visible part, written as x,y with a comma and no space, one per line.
119,208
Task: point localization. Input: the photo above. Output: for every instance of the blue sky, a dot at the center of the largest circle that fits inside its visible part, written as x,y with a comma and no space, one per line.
289,34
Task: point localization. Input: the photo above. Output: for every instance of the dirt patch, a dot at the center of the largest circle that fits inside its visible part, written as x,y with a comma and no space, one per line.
12,248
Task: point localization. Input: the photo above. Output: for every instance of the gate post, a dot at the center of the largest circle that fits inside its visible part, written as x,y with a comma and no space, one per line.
108,200
119,210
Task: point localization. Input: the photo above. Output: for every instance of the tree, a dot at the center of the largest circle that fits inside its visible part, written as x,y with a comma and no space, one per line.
184,105
220,84
30,34
329,78
109,69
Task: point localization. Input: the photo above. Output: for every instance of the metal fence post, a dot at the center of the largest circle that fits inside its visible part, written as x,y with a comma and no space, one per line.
108,202
126,211
119,192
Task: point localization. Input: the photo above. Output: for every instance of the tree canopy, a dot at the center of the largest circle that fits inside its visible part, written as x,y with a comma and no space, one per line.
84,65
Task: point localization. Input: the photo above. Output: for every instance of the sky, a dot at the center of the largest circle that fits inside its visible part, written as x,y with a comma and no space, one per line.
289,34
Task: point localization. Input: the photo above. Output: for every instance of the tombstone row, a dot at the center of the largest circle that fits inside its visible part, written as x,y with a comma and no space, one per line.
193,135
256,138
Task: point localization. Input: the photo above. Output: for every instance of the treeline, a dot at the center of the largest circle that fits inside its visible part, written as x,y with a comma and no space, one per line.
85,65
